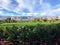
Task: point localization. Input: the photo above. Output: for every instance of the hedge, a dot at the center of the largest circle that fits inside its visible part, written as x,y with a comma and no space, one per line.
33,35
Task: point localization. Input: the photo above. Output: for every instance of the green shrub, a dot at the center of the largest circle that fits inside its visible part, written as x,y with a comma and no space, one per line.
30,33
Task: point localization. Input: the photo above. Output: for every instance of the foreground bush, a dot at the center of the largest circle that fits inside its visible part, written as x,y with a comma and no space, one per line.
33,35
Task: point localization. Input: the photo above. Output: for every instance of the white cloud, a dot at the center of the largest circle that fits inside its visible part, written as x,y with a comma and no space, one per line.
57,6
46,8
29,4
41,2
4,3
25,4
54,12
43,14
1,12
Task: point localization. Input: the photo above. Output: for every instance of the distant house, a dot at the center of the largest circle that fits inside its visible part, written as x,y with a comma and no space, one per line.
17,18
26,18
3,17
21,18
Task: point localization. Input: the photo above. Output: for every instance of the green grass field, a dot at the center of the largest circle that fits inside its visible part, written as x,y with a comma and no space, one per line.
28,23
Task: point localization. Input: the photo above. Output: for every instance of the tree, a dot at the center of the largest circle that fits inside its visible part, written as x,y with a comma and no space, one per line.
36,19
8,20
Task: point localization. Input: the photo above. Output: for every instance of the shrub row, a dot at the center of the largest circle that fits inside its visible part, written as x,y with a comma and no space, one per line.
32,35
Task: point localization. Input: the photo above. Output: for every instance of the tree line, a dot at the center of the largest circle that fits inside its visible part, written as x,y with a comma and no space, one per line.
9,20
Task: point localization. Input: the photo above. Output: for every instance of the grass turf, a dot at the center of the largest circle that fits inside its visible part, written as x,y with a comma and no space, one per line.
28,23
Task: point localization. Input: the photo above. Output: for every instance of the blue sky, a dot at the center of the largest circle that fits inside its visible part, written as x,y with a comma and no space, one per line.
29,7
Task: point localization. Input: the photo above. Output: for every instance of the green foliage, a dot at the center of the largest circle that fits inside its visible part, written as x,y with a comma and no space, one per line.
30,33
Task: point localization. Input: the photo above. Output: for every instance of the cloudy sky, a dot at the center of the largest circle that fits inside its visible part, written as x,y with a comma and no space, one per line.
29,7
